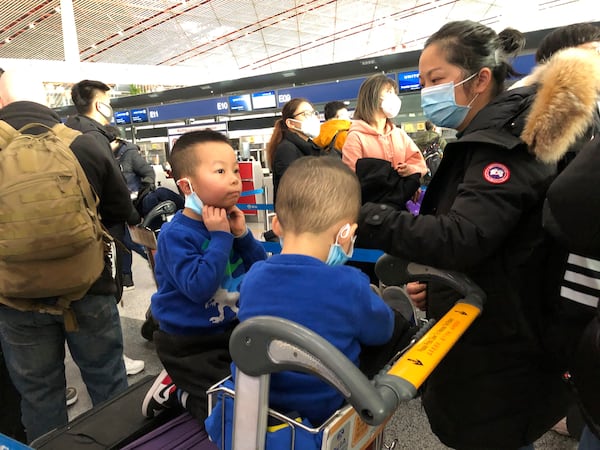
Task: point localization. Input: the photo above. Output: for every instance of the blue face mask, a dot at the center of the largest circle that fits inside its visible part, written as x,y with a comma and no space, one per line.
439,104
337,256
192,200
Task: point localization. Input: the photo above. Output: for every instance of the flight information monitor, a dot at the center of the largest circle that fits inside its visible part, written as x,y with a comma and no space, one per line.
409,81
122,117
139,115
264,100
239,103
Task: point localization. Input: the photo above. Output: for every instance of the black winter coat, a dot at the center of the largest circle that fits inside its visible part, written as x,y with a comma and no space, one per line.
289,150
135,168
482,215
99,165
573,215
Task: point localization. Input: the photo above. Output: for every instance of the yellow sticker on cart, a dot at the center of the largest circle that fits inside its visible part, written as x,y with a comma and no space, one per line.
418,362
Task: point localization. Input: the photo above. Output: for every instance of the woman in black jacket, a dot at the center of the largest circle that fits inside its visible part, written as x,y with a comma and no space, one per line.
482,215
292,137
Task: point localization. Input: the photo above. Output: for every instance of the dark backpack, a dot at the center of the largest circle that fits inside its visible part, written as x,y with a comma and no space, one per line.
432,153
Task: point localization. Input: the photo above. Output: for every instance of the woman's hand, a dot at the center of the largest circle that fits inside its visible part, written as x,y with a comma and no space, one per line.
404,170
417,292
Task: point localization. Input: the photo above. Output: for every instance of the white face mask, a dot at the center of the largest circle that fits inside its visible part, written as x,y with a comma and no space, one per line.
390,104
105,110
310,127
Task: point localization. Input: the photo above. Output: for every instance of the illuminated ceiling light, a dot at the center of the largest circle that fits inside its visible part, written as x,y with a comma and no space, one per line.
57,9
93,46
120,33
31,26
7,40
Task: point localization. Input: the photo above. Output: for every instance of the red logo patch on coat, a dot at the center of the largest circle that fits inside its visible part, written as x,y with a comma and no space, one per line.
496,173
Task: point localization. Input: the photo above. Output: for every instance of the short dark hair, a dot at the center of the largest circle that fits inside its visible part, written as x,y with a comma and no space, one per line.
565,37
332,108
429,125
315,192
473,46
183,159
83,94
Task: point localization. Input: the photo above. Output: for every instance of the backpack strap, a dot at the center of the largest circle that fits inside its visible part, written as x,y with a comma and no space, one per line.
7,134
64,133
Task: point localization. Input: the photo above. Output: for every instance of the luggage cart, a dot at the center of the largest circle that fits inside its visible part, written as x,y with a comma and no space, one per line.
264,345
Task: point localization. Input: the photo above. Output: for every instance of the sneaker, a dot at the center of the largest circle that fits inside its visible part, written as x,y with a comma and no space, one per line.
398,300
127,280
71,396
162,395
133,366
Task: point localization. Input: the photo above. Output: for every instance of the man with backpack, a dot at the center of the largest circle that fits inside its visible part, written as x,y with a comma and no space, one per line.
83,315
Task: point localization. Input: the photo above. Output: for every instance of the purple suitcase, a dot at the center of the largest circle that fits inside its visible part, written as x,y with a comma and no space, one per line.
181,433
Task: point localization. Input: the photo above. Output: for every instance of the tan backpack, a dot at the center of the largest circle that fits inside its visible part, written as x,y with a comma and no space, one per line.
52,243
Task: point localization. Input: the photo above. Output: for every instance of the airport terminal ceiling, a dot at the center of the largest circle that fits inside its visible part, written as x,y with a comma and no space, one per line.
202,41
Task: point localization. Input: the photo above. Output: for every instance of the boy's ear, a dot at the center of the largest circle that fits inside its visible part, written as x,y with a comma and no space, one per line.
276,226
185,186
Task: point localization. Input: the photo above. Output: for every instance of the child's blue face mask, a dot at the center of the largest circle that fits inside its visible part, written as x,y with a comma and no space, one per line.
337,256
439,104
192,200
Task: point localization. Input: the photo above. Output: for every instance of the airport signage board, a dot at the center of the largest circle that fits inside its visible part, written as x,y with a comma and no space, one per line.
322,92
185,110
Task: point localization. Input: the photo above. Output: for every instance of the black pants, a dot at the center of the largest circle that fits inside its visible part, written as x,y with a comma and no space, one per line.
195,363
374,357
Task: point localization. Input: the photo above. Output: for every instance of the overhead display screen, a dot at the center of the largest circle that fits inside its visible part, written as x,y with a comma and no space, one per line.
239,103
122,117
139,115
264,100
409,81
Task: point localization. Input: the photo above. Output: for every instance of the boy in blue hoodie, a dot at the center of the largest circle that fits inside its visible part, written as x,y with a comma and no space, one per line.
202,256
317,207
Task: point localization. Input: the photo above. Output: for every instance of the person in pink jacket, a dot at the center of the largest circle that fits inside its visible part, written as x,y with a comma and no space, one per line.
374,135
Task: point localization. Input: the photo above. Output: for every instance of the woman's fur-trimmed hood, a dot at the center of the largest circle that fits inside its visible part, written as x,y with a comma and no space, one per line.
564,106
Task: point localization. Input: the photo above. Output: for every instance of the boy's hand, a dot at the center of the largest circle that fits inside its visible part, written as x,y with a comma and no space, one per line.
418,294
215,219
237,221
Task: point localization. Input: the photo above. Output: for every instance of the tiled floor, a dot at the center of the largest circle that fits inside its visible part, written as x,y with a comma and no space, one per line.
409,425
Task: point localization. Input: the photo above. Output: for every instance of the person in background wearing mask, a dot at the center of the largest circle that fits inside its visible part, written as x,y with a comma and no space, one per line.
335,128
482,215
374,135
92,101
387,162
292,137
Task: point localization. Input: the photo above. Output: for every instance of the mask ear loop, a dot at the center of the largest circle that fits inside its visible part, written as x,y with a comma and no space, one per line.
343,233
188,182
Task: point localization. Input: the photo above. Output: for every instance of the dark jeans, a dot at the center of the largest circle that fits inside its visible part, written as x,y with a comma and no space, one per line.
34,347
